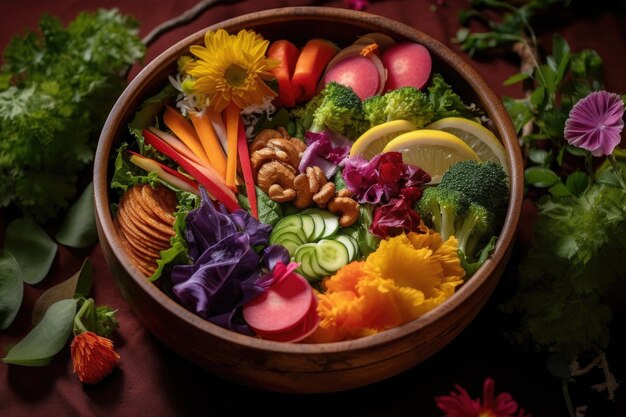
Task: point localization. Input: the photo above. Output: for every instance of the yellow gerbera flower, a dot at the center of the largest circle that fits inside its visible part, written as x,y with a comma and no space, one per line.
232,68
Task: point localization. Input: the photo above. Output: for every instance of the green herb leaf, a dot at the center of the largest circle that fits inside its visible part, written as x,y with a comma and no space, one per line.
540,177
64,83
11,288
47,338
539,156
270,212
32,247
559,190
63,291
514,79
79,227
538,96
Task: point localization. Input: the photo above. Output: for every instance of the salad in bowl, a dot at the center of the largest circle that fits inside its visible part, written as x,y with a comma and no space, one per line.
315,193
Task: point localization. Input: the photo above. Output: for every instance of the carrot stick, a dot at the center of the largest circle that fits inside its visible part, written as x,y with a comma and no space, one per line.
287,53
310,65
232,123
210,143
185,132
246,168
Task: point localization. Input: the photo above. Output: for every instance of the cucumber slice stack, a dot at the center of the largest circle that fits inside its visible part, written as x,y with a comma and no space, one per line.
314,240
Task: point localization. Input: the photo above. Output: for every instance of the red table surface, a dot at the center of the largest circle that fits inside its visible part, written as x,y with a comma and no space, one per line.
152,380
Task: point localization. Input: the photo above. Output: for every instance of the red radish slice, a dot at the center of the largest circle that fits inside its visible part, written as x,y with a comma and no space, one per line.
304,329
357,72
281,308
355,51
408,64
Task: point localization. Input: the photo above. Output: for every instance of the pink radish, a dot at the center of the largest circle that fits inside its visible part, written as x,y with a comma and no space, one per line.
357,72
281,308
305,328
408,64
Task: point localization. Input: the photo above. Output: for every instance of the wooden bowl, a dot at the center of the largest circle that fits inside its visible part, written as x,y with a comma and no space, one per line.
304,368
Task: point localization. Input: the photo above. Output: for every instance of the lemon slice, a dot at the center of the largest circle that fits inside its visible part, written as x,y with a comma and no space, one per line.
373,141
432,150
479,138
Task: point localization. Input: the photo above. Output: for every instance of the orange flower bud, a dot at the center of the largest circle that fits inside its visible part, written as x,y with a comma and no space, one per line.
93,357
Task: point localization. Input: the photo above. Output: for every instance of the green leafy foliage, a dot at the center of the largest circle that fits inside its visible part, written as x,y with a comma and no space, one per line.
11,288
56,93
46,339
32,247
578,248
79,283
78,229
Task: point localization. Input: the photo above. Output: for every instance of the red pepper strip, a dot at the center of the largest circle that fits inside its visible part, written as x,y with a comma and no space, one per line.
213,186
246,168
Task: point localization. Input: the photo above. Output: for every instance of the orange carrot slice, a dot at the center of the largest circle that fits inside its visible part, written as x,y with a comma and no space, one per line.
185,131
287,53
246,168
213,185
312,61
209,141
232,125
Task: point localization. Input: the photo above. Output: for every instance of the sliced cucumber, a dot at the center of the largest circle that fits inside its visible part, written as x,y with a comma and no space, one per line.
308,226
293,220
347,242
315,265
290,245
318,221
288,233
331,254
305,266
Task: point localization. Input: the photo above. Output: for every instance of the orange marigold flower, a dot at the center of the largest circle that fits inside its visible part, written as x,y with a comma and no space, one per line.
407,276
93,357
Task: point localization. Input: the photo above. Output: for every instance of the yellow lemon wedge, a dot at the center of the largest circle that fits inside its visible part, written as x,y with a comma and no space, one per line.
373,141
479,138
432,150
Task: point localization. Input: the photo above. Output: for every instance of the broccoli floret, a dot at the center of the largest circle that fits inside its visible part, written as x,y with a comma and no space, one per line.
408,103
478,223
374,108
336,107
442,208
468,203
483,183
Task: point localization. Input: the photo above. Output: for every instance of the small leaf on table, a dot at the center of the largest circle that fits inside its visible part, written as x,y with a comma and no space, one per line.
32,248
79,227
540,177
47,338
79,283
11,288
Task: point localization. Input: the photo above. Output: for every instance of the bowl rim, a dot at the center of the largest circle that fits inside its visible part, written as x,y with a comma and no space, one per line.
355,18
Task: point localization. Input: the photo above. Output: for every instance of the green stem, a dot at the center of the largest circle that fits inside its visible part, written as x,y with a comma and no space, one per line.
568,400
618,171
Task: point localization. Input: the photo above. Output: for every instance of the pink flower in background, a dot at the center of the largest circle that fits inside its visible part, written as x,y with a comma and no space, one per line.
356,4
595,123
459,404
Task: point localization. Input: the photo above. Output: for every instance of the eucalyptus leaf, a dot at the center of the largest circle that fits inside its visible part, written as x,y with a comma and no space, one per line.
47,338
63,291
32,247
540,177
11,288
79,227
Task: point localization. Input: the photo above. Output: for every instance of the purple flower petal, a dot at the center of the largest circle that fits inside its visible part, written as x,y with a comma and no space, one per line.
596,122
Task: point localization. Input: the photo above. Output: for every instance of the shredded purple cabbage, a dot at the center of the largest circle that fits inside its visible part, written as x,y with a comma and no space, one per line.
227,271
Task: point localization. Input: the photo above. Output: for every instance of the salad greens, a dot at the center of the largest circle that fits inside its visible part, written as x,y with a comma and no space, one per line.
55,92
